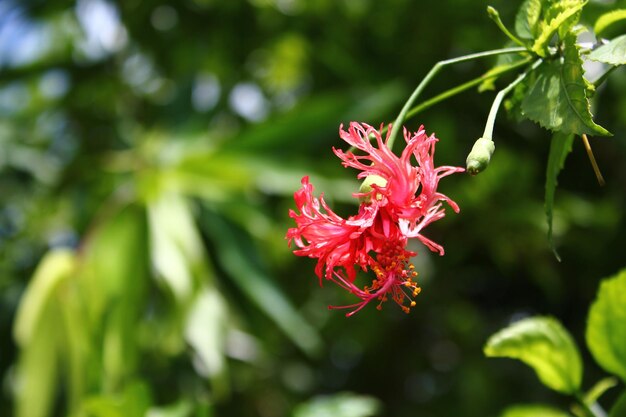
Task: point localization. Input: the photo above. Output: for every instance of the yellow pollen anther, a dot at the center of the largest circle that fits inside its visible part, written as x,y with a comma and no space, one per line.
413,303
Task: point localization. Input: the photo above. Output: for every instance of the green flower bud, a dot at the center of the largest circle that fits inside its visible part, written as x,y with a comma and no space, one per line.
479,157
366,187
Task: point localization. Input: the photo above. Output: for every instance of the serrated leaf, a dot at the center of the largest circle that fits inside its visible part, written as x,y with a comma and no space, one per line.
558,98
606,326
560,147
533,410
619,408
607,19
613,53
543,344
527,19
565,16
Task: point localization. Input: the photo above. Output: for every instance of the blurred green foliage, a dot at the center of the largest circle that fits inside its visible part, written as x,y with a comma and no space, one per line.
149,151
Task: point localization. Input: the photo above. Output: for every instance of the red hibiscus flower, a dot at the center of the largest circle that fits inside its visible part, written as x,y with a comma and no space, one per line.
398,200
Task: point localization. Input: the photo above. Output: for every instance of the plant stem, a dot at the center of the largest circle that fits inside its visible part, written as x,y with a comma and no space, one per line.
495,16
459,89
496,102
434,70
604,76
591,411
592,159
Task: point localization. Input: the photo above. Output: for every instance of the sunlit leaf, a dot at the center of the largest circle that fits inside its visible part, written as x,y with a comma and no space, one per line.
176,248
561,16
533,410
543,344
613,53
558,99
607,19
205,331
134,401
38,330
606,326
53,268
237,256
560,147
527,19
339,405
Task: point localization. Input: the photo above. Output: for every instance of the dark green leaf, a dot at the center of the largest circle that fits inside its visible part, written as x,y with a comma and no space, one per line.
543,344
558,99
606,326
608,19
619,408
560,147
613,53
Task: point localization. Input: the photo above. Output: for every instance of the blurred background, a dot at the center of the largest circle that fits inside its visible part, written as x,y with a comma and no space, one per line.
149,151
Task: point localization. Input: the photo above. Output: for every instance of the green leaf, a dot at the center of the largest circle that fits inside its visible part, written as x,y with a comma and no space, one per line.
543,344
206,329
239,259
607,19
344,404
558,99
561,17
560,147
527,19
619,408
533,410
606,326
613,53
56,266
38,331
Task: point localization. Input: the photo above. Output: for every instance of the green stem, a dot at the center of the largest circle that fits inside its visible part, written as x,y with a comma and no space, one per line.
434,70
495,16
459,89
594,411
491,119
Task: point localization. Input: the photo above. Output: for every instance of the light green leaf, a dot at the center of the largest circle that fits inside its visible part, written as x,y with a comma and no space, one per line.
39,330
607,19
339,405
37,371
239,258
527,19
205,331
606,326
176,247
56,266
560,147
533,410
619,408
613,53
543,344
558,99
561,16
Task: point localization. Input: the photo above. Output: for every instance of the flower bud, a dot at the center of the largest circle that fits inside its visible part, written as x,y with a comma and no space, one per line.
479,157
366,187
